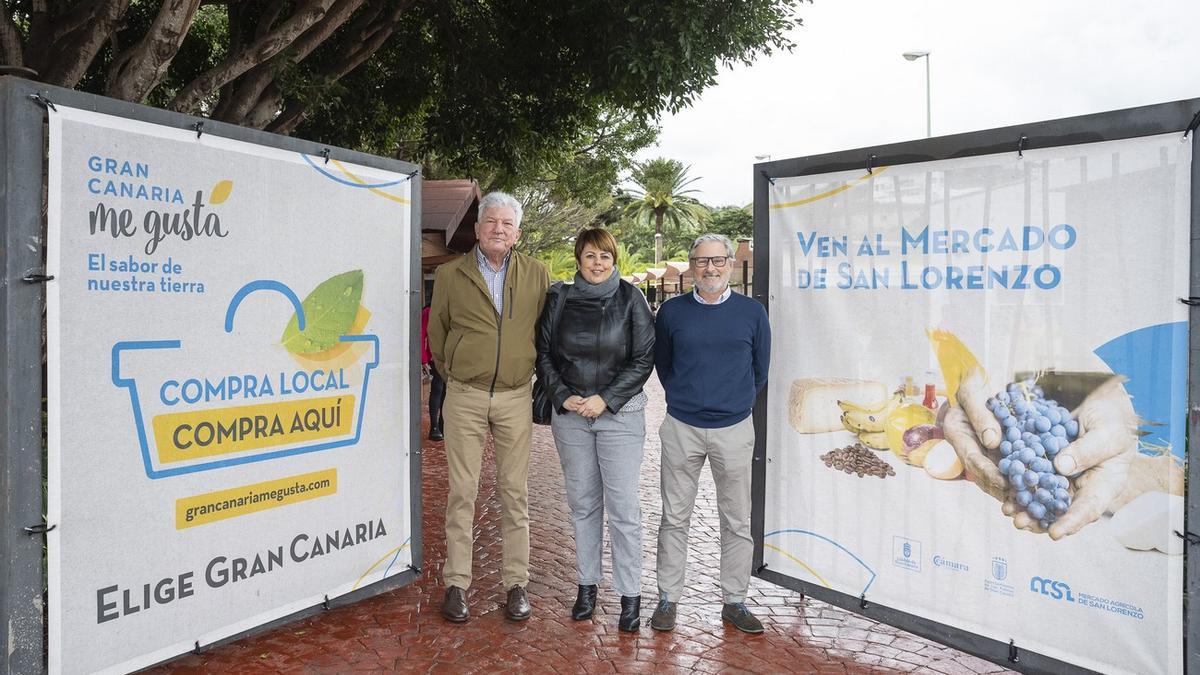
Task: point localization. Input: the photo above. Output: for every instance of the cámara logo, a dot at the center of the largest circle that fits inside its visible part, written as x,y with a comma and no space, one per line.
1057,590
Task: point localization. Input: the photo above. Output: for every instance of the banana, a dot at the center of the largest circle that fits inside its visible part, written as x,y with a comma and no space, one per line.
870,420
848,406
876,440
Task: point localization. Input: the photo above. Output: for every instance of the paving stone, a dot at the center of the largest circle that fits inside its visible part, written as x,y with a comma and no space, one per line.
402,630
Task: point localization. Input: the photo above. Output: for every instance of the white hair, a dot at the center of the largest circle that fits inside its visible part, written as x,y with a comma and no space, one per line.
501,200
712,236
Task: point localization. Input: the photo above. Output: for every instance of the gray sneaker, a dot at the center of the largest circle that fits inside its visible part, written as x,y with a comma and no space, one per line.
741,618
664,616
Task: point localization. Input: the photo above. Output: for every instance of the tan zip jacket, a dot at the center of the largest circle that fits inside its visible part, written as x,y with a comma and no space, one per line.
470,341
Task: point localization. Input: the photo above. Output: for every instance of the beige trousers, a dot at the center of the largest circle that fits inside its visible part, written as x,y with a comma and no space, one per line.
470,414
730,453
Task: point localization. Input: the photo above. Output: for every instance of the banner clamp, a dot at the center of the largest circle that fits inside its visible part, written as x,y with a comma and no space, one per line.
43,528
47,104
1188,537
325,603
199,128
325,153
1013,656
1191,301
1190,127
1021,146
862,601
196,650
871,163
763,172
32,277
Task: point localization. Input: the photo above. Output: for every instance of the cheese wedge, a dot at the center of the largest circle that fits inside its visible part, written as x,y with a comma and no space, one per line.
812,405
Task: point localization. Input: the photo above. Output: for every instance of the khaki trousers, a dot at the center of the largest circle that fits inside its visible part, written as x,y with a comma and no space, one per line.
469,415
730,452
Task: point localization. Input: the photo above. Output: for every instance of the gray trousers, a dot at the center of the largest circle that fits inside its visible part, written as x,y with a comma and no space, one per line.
601,462
730,451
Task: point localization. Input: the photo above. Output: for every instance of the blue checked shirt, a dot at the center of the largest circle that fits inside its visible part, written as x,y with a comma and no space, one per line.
493,278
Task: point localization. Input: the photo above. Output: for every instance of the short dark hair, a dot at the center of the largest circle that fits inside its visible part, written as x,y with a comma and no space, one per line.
597,237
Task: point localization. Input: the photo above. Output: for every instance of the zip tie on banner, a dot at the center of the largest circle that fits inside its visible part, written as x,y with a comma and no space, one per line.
763,172
1190,127
415,568
862,601
325,153
43,528
199,127
1021,146
196,651
1013,655
33,277
325,604
871,164
1189,537
1191,301
414,172
760,568
47,104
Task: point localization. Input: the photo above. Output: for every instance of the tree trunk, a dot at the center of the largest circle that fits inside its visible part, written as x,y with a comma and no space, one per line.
658,253
138,70
254,53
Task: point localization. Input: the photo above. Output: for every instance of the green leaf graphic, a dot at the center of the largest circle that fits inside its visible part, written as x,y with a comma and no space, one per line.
329,312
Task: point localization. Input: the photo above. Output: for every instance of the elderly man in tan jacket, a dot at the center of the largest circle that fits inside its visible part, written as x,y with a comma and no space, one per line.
481,333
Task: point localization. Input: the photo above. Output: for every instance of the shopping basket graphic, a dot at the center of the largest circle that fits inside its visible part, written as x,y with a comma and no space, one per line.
225,430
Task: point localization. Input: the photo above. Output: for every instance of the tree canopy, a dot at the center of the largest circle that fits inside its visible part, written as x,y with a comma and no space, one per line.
661,194
499,87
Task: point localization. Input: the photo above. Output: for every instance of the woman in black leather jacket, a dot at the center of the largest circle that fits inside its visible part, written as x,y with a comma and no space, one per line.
595,343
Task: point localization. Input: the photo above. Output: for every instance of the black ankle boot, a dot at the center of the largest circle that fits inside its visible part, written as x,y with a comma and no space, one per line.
631,613
585,604
435,433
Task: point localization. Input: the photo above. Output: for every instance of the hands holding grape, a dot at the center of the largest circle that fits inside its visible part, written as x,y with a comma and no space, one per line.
1028,452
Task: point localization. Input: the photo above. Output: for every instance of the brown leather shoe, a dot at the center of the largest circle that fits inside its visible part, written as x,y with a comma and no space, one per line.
454,607
517,607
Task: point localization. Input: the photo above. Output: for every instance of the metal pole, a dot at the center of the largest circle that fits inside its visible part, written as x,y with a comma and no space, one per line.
22,649
928,106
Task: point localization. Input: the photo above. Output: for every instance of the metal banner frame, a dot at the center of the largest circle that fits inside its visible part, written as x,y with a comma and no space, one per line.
23,110
1175,117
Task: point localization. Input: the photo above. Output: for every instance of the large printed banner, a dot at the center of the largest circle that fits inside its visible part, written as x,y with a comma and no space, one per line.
228,342
977,396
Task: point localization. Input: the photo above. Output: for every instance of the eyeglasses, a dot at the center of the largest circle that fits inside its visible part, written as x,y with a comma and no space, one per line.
705,261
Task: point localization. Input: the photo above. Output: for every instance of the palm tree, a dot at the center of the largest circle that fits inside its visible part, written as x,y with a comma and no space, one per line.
660,195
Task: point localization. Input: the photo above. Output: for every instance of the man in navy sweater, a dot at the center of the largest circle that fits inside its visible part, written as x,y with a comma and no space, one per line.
711,351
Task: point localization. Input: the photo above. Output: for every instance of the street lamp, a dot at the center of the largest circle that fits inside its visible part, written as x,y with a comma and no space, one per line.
913,56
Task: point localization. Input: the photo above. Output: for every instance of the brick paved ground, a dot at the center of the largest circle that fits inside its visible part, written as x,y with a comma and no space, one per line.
402,631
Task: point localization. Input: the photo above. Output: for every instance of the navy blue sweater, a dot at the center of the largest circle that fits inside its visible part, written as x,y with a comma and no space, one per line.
711,359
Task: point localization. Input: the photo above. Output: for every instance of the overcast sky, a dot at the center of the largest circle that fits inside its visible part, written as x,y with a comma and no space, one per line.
993,64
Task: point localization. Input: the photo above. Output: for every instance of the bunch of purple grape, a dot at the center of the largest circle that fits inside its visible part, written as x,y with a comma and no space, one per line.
1035,430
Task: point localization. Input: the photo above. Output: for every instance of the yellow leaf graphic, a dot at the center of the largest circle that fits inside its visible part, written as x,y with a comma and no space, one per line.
220,192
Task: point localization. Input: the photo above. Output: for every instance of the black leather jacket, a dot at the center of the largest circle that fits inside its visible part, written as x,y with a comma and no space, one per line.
599,346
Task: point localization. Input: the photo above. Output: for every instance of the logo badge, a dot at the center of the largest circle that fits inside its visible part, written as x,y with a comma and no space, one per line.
906,553
999,569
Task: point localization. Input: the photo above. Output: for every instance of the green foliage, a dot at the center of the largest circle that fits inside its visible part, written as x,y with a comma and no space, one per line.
732,221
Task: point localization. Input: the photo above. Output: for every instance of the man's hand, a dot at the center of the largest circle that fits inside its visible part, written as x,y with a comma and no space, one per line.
1098,461
969,422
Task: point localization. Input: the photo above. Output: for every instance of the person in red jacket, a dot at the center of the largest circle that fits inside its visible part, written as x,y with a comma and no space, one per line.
437,386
